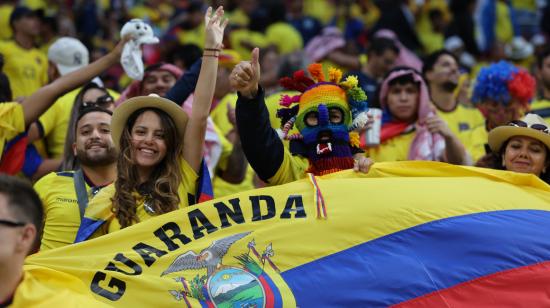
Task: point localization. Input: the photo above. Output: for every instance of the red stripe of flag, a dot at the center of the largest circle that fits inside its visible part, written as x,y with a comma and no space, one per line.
527,286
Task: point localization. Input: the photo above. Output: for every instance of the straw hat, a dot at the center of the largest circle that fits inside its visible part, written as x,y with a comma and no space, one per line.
127,108
499,135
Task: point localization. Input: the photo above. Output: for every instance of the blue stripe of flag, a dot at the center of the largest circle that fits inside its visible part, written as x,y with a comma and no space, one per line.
422,259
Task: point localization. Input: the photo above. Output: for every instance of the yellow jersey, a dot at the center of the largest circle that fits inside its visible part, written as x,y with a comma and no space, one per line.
468,124
187,187
61,211
12,122
394,149
293,168
27,69
44,287
542,108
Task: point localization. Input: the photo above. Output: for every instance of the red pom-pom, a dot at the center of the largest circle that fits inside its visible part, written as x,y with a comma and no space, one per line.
522,87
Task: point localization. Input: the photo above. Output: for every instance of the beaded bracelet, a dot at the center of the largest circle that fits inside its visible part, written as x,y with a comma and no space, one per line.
211,49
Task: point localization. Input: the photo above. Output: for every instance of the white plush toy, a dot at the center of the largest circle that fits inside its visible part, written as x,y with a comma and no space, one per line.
131,53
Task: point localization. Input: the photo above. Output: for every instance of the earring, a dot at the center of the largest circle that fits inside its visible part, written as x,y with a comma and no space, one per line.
503,163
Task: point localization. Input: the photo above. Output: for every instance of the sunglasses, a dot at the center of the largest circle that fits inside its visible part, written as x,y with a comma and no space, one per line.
12,224
540,127
102,101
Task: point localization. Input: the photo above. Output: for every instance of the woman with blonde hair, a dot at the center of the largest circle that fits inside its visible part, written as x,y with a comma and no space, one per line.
157,173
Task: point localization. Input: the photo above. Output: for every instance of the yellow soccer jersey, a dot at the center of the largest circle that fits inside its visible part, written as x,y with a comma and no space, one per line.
27,69
468,124
55,122
58,195
394,149
292,168
12,122
542,108
44,287
103,198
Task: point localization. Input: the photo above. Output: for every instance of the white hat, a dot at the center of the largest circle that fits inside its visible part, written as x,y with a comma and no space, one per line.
518,49
68,54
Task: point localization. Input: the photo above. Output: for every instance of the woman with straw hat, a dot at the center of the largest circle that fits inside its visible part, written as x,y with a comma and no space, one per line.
522,146
156,171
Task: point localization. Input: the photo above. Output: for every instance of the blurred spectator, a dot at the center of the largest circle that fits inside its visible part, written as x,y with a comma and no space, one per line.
463,25
308,26
406,56
431,25
24,64
541,105
397,17
381,56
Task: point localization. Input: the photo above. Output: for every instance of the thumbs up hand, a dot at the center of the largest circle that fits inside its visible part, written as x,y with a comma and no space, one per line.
245,77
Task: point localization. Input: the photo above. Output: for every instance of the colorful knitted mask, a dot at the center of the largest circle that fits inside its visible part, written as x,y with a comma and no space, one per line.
327,145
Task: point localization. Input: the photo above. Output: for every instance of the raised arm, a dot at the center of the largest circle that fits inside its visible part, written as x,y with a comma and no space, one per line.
261,144
204,93
39,101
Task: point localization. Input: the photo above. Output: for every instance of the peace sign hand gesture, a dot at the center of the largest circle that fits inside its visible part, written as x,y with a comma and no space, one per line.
214,26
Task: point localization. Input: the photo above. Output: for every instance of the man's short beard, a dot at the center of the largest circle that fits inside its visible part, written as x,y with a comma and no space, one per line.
108,158
448,86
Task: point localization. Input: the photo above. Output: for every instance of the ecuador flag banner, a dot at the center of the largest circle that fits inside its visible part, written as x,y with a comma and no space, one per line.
407,234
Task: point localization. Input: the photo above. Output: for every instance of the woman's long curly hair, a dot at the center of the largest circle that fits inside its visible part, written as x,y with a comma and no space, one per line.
494,161
162,185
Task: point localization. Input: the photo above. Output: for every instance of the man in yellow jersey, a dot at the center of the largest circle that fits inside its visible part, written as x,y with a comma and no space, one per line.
541,105
65,194
66,55
441,73
25,65
21,217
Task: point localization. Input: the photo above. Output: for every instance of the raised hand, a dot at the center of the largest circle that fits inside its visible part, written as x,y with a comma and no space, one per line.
214,26
246,75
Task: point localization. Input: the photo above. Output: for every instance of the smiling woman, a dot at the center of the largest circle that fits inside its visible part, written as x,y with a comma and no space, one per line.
522,146
156,172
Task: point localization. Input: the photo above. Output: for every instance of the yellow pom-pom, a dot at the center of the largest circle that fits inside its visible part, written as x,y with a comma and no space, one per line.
354,139
350,82
316,71
334,75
